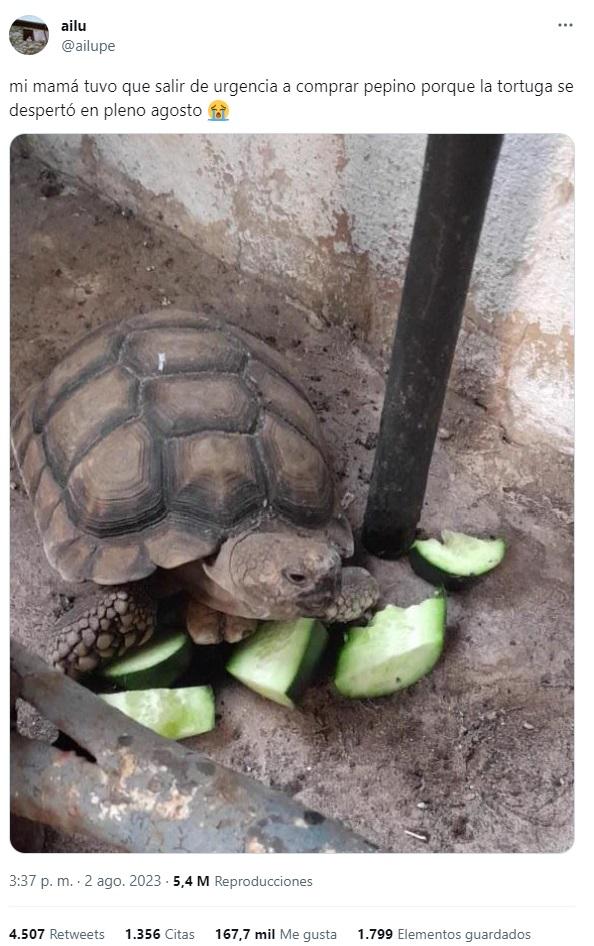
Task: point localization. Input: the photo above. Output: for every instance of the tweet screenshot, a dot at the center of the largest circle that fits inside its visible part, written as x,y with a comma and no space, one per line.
289,307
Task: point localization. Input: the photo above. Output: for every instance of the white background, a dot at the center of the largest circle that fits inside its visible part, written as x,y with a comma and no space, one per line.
458,41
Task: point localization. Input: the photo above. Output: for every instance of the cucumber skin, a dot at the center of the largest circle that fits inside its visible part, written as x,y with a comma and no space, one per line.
155,677
308,665
438,577
302,676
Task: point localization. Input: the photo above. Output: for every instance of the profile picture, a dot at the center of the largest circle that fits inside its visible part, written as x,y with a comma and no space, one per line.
29,35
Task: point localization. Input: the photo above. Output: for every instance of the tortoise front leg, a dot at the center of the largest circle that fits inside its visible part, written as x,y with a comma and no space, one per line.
359,591
102,627
207,626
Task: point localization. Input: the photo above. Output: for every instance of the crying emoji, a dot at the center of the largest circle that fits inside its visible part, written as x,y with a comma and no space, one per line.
218,111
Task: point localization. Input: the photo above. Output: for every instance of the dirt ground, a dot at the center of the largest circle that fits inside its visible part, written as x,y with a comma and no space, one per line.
476,757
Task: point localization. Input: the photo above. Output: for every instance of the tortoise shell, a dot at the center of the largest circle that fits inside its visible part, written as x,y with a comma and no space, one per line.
156,438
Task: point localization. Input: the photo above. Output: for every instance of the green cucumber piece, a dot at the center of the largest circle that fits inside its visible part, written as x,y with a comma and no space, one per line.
158,664
396,649
175,714
457,561
280,658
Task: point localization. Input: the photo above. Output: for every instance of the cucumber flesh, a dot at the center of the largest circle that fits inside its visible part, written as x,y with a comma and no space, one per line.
457,560
396,649
158,664
279,660
175,714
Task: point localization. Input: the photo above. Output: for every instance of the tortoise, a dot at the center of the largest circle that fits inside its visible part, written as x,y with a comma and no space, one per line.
173,444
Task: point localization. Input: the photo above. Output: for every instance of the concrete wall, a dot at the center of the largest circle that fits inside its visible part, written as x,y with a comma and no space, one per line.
328,219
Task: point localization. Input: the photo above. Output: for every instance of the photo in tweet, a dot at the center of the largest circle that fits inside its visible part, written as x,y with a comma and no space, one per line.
223,531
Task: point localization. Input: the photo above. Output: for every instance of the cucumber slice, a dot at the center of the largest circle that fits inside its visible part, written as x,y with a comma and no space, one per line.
398,647
176,714
279,660
158,664
456,561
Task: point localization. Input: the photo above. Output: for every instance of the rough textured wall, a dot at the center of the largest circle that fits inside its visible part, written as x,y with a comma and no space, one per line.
329,218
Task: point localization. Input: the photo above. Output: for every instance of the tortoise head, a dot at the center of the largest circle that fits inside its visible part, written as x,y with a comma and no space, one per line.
278,576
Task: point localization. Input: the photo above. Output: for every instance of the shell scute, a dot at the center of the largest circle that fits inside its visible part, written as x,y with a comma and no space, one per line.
280,397
114,559
300,481
47,497
88,357
85,415
214,479
166,319
75,559
185,404
172,350
32,465
59,532
116,486
268,356
170,544
21,428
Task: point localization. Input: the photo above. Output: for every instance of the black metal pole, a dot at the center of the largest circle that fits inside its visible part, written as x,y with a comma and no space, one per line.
455,187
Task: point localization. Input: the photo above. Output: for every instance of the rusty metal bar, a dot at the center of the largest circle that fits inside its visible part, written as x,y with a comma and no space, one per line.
455,189
145,793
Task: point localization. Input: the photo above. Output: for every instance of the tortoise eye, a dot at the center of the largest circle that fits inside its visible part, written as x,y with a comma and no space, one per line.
297,578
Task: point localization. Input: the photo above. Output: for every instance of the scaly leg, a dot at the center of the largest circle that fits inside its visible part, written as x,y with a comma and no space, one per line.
103,626
206,626
359,591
